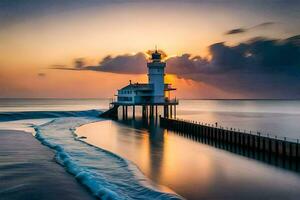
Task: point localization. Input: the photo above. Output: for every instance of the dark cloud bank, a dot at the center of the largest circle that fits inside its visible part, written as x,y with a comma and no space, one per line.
258,68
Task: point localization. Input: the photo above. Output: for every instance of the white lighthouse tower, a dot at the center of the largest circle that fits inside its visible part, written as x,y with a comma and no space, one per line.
150,95
156,74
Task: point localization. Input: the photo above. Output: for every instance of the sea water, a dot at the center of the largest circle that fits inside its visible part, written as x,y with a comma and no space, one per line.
105,174
118,158
274,117
190,168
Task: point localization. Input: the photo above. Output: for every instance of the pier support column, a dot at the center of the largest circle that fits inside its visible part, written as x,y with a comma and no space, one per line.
174,111
151,111
147,111
143,111
171,111
156,111
167,109
133,111
123,112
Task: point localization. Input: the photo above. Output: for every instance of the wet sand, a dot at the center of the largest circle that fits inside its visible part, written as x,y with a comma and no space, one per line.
28,171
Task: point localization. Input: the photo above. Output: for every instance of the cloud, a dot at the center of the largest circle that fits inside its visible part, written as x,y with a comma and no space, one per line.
263,25
245,30
41,75
257,68
127,64
236,31
135,64
79,63
124,64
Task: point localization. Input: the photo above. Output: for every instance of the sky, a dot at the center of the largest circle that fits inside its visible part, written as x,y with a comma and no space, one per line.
89,49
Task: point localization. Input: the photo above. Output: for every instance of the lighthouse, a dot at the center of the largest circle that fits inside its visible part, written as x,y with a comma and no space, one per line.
156,74
149,95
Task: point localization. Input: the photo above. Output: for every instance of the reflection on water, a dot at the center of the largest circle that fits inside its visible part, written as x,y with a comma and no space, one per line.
192,169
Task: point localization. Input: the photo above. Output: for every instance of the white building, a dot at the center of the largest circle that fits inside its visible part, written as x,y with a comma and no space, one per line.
155,92
149,95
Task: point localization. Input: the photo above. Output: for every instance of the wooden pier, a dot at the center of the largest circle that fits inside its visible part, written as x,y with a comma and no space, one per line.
250,141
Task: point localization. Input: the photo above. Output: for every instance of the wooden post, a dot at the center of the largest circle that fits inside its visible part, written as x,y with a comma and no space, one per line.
276,147
257,142
226,136
297,150
290,149
234,137
283,146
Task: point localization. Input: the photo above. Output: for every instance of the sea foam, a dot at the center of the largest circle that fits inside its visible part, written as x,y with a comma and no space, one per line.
105,174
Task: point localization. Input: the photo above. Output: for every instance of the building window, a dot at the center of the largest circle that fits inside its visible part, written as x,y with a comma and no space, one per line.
125,92
124,98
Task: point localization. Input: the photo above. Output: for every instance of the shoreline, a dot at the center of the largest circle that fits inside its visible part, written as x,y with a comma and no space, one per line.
150,183
29,171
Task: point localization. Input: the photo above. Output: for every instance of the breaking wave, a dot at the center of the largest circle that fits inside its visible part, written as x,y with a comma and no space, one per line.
105,174
11,116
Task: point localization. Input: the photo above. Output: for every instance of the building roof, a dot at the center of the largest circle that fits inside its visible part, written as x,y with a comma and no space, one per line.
138,86
145,86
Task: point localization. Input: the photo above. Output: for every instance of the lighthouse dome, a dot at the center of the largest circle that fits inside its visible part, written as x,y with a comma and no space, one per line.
156,55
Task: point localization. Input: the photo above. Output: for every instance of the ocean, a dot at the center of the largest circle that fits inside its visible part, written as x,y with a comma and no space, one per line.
138,160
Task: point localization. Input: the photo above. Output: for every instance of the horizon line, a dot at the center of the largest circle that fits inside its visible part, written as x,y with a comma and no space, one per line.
107,98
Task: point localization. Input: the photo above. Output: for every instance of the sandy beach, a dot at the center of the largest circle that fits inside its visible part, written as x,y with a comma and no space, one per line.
28,171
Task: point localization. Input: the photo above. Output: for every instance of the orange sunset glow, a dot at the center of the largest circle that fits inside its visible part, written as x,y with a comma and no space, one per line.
51,35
